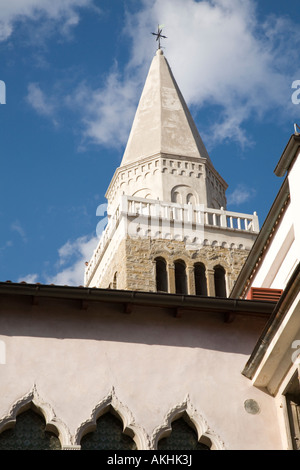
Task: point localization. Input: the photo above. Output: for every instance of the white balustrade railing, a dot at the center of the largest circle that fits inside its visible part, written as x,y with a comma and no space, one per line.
189,213
138,210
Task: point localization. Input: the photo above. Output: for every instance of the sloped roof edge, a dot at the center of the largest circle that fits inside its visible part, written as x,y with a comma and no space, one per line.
166,300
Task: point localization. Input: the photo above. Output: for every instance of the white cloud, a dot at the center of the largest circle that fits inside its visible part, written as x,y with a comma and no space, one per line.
106,112
17,227
222,56
70,266
71,262
42,104
240,195
7,244
29,278
62,13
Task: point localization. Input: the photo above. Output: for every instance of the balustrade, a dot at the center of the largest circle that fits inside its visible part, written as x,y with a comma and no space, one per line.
144,211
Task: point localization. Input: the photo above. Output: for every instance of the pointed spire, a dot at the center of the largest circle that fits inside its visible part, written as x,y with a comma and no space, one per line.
163,123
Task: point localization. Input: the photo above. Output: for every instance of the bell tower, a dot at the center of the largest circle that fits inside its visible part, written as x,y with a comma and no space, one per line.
168,228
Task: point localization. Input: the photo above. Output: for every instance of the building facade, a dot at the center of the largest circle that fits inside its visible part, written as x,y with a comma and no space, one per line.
112,369
181,337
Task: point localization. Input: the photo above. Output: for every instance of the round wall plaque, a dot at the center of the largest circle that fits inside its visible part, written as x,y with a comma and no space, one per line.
252,407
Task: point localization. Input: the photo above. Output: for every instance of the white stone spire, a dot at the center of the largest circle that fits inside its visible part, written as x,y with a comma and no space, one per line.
165,158
163,123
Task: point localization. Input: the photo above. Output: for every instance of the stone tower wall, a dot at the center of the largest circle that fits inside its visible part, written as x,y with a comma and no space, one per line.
114,275
134,263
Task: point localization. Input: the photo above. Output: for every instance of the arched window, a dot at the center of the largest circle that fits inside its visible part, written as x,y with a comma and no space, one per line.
180,277
161,275
176,197
108,435
182,437
200,279
220,283
114,284
190,199
29,433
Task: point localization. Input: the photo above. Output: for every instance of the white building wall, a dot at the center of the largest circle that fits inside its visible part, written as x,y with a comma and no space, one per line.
294,183
281,256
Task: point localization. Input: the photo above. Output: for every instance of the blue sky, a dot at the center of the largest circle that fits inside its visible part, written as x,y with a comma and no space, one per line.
74,71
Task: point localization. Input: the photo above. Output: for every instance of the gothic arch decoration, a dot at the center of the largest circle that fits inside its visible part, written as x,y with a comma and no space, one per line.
53,423
130,427
204,433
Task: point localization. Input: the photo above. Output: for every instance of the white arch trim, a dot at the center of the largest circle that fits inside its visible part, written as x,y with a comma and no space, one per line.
203,430
52,421
130,427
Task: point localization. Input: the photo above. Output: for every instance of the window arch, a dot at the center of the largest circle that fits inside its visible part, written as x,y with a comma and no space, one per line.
181,192
220,282
143,193
161,275
108,435
29,433
183,437
180,277
200,279
190,199
115,281
176,197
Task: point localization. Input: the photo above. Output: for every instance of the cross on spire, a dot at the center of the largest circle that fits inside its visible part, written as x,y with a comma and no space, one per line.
159,35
